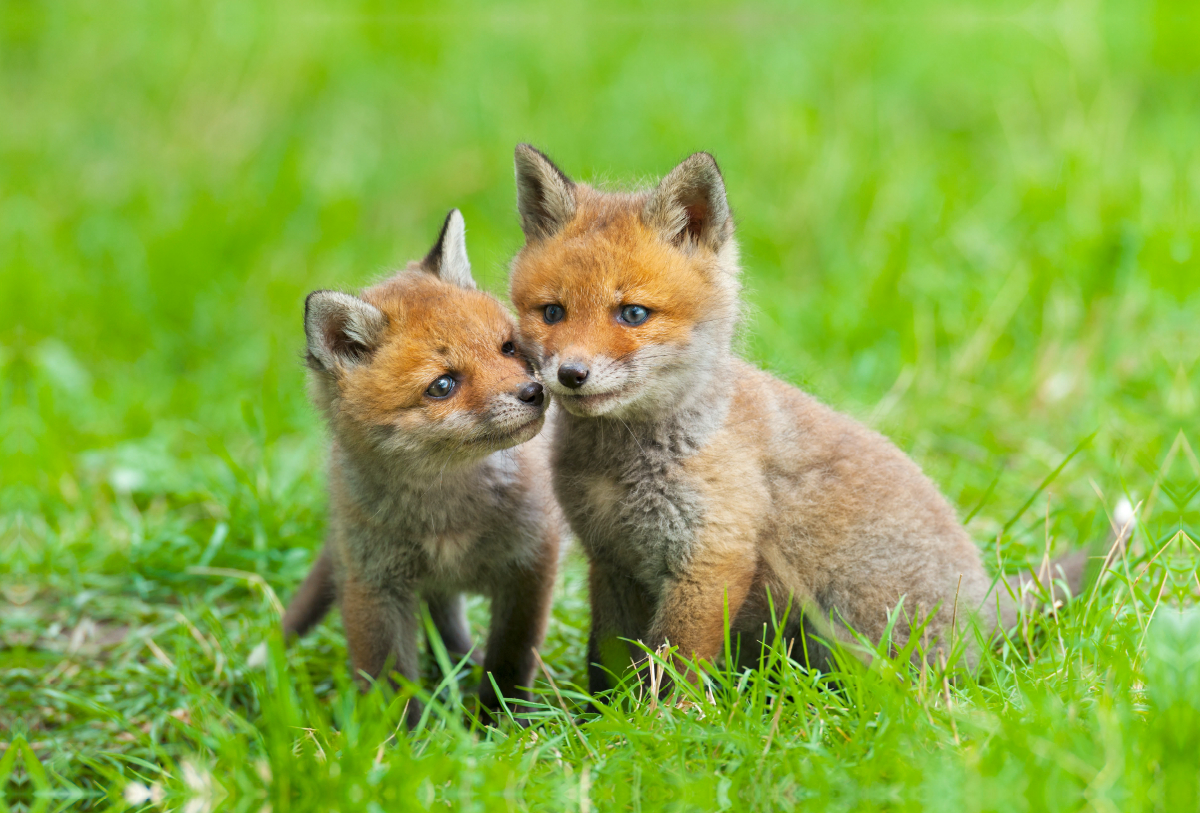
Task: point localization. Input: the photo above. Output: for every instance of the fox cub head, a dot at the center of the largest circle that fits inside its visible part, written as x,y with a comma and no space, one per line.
422,364
627,301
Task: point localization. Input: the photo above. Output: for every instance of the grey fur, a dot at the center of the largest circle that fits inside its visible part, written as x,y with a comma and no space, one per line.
407,530
405,511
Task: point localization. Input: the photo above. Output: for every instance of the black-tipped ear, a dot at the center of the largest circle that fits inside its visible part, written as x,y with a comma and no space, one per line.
448,257
689,204
342,330
545,196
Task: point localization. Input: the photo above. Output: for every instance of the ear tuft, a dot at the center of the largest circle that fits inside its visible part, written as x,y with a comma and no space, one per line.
448,257
342,330
689,205
545,195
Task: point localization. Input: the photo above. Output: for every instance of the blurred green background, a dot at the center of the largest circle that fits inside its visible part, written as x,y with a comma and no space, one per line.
975,228
997,207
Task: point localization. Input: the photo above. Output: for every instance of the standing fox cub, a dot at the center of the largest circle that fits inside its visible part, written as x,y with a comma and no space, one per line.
425,394
693,480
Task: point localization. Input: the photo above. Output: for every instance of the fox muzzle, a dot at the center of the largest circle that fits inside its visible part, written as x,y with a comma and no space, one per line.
572,374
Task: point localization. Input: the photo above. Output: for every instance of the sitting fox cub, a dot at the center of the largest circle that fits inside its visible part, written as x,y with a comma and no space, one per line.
425,392
692,478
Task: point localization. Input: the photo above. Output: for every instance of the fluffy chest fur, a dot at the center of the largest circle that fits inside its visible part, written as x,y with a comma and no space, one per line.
628,493
456,529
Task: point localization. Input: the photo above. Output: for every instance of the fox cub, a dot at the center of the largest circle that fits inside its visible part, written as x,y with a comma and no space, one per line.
437,482
691,478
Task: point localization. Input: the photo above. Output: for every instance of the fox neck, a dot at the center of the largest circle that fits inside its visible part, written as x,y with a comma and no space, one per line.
384,482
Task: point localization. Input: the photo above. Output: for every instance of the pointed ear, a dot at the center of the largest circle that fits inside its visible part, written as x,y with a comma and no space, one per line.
448,257
342,330
545,196
689,204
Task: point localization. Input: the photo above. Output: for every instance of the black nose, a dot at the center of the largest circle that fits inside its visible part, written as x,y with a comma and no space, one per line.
532,394
572,374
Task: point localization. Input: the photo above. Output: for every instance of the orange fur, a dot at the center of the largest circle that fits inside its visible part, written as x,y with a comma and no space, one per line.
433,327
592,271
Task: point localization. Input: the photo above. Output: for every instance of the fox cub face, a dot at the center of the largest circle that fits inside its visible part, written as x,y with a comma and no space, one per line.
624,299
422,363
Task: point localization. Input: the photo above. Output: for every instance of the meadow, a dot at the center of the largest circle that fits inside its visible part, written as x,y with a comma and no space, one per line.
975,229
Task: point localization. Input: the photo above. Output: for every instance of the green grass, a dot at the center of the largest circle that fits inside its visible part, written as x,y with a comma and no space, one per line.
976,230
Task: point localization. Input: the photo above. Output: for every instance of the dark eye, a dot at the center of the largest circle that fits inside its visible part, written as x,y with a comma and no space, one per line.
508,348
554,313
440,388
634,314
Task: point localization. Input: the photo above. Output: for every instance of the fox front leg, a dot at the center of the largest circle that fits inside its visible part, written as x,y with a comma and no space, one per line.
691,616
381,635
621,608
448,612
520,611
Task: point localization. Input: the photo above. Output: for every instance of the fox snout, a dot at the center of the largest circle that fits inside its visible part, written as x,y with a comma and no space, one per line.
577,373
509,407
572,374
532,394
513,414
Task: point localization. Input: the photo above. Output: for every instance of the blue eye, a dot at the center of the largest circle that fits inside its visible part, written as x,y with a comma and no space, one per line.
634,314
554,313
441,387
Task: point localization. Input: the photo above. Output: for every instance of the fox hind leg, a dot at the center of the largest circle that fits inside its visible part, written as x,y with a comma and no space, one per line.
381,635
313,599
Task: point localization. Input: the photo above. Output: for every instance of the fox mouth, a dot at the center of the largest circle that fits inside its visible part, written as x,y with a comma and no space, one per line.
536,419
521,432
589,404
